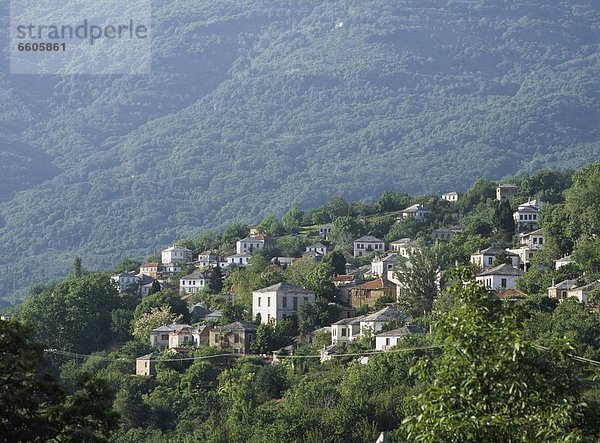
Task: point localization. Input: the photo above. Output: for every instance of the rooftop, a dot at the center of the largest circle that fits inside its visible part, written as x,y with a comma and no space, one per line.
284,287
502,269
368,238
386,314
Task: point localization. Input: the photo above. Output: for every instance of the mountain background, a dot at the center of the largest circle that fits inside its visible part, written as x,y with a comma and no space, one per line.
257,106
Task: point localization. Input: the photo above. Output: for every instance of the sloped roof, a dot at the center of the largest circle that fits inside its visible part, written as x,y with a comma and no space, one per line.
536,232
526,209
368,238
414,208
565,284
177,248
494,251
390,256
378,283
239,325
284,287
317,245
196,276
171,327
386,314
344,278
402,241
404,330
349,321
502,269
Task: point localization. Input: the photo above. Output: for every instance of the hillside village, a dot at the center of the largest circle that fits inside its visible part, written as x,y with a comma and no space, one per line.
349,321
368,285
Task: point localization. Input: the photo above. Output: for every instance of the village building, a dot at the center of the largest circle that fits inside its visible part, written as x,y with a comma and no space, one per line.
145,366
384,341
368,293
160,337
319,248
381,265
451,197
581,293
560,291
488,258
397,244
209,259
416,211
344,284
506,192
345,330
277,302
503,276
282,261
238,336
240,260
325,230
176,254
367,245
194,282
376,321
562,262
153,270
126,281
250,244
444,234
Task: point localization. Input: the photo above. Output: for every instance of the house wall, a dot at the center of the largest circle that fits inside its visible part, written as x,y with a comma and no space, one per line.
385,343
273,306
498,281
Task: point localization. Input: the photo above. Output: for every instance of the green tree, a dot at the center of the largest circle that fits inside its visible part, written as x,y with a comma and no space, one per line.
215,282
336,261
167,297
292,220
583,202
33,407
65,313
489,383
158,316
419,277
270,226
504,221
77,269
393,201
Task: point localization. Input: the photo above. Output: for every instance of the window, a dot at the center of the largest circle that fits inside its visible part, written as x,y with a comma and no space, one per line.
284,302
295,300
259,302
185,338
268,301
490,260
344,332
164,337
236,338
387,341
503,283
305,299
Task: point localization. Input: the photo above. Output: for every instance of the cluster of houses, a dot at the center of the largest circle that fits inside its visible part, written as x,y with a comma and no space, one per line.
499,270
271,305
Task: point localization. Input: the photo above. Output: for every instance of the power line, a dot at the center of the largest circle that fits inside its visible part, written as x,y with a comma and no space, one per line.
282,357
206,357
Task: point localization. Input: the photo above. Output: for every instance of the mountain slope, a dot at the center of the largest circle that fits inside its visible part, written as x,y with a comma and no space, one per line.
254,106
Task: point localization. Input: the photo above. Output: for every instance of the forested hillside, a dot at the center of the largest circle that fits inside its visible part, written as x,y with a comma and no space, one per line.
256,106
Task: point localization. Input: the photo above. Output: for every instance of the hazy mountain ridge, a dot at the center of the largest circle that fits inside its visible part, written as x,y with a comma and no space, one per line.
254,107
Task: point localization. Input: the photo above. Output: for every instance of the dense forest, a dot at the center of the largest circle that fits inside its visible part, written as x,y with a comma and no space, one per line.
253,106
490,369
